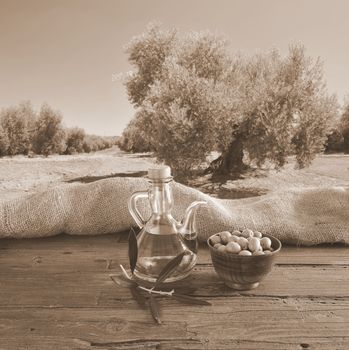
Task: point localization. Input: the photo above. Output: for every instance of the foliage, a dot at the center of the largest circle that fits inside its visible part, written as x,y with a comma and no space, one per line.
93,143
334,141
49,136
286,109
344,127
181,110
193,97
147,52
4,142
136,136
24,131
75,140
17,122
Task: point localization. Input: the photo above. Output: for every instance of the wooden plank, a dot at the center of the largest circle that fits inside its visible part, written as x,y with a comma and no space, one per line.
23,287
291,255
254,323
65,260
109,258
105,252
64,241
64,253
55,293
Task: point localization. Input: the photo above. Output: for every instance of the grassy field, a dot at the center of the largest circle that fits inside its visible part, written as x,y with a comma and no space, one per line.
20,174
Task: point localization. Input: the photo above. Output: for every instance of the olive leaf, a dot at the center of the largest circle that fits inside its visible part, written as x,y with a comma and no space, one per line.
189,299
169,268
127,280
154,308
138,297
132,249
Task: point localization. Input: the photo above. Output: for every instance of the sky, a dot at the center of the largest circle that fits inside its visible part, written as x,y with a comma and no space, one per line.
66,52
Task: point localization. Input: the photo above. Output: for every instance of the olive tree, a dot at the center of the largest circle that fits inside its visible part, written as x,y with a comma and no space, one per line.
193,96
175,126
49,135
285,110
75,140
137,135
4,142
344,128
17,122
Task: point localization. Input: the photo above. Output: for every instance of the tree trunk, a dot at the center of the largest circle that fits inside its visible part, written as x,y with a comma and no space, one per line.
231,161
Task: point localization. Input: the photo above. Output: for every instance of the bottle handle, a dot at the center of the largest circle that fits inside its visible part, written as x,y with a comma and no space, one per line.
132,207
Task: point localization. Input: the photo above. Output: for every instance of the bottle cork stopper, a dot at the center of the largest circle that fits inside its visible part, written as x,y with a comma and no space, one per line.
159,172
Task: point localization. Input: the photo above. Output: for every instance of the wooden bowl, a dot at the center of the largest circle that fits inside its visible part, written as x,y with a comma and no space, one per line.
243,272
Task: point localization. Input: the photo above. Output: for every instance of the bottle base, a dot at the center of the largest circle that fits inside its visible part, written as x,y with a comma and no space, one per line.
148,279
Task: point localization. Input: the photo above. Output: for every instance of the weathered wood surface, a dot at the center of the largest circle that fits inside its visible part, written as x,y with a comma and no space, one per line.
55,293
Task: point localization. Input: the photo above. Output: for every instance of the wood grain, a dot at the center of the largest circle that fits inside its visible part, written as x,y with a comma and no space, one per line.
55,293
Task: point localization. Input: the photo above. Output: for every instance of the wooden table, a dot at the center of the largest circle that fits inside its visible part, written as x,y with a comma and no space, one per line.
55,293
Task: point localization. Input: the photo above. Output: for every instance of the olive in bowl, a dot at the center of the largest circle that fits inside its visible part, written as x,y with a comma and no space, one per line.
243,262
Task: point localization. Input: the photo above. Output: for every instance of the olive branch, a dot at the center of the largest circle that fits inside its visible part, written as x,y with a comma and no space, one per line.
128,280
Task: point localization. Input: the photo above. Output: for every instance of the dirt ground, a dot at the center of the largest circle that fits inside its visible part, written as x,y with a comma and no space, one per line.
21,174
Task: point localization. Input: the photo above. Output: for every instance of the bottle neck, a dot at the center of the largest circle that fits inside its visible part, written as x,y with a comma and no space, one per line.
160,197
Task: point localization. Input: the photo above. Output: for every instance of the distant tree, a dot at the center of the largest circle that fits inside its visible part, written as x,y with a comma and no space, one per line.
24,131
17,122
89,145
92,143
49,135
334,141
4,142
137,135
75,141
344,127
196,97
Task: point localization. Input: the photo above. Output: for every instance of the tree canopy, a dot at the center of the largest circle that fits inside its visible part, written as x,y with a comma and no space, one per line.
25,131
17,123
193,96
49,135
344,128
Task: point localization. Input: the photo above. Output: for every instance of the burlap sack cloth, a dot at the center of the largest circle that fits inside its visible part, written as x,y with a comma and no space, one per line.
303,216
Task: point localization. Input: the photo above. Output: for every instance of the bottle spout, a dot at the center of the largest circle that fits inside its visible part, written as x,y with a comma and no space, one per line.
187,225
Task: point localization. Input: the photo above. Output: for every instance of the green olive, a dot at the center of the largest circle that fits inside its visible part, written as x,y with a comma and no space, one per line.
254,244
233,247
225,235
222,248
258,252
265,243
233,238
243,242
247,233
215,239
245,252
